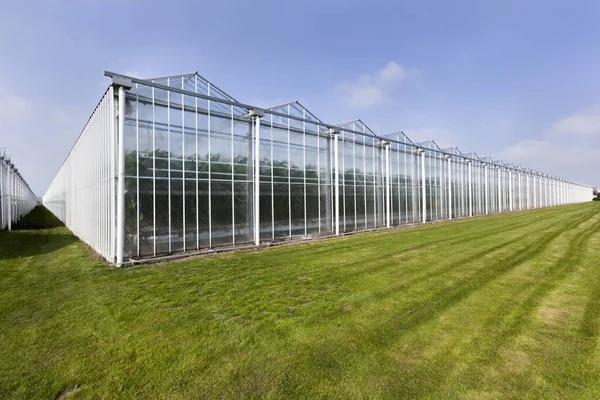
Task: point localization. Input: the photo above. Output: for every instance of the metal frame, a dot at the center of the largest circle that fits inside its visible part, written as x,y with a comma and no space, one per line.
447,191
16,197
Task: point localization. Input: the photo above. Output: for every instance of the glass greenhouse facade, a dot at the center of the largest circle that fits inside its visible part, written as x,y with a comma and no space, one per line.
16,198
174,164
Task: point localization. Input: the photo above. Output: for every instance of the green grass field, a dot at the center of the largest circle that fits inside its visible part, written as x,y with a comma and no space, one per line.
506,306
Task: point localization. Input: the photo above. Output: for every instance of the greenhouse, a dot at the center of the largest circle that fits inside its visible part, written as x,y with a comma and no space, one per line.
175,165
16,198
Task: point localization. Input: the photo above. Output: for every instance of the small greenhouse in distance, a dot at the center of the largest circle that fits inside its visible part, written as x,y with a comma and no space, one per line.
175,164
16,198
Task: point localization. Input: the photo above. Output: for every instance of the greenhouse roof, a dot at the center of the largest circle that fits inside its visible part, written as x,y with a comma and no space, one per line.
193,82
399,136
359,126
431,145
294,108
473,156
196,83
454,151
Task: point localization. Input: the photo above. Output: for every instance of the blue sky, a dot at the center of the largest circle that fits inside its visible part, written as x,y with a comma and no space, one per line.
516,80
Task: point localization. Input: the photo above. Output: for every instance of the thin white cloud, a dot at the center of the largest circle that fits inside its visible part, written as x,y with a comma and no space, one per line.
584,123
13,106
569,148
372,90
549,155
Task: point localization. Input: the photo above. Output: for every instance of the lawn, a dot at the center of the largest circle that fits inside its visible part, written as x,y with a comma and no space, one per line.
505,306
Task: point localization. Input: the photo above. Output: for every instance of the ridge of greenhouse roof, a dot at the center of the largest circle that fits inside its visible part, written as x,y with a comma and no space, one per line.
364,128
298,107
5,156
204,85
401,134
454,151
430,144
193,83
473,155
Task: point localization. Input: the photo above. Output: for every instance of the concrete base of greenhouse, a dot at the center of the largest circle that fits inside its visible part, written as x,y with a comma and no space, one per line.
296,240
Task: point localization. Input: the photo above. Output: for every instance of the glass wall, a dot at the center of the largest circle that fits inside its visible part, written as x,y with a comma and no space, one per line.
188,169
16,198
200,170
296,175
82,194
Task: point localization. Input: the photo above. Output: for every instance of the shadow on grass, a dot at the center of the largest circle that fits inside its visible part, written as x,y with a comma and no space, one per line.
38,218
17,244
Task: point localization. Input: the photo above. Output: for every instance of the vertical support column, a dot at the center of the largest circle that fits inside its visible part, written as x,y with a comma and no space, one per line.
547,192
510,190
470,188
527,191
387,184
487,189
122,84
423,188
328,183
542,192
255,116
449,186
413,183
9,199
2,190
520,192
335,134
121,177
534,192
499,189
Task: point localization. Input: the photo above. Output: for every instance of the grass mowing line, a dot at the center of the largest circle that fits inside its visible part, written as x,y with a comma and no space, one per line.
380,257
385,237
562,360
457,225
452,241
554,275
431,272
590,325
214,326
416,371
587,335
382,334
445,268
346,275
418,230
441,300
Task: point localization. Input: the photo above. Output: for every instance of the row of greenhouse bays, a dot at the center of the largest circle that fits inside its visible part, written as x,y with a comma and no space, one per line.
16,199
189,181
